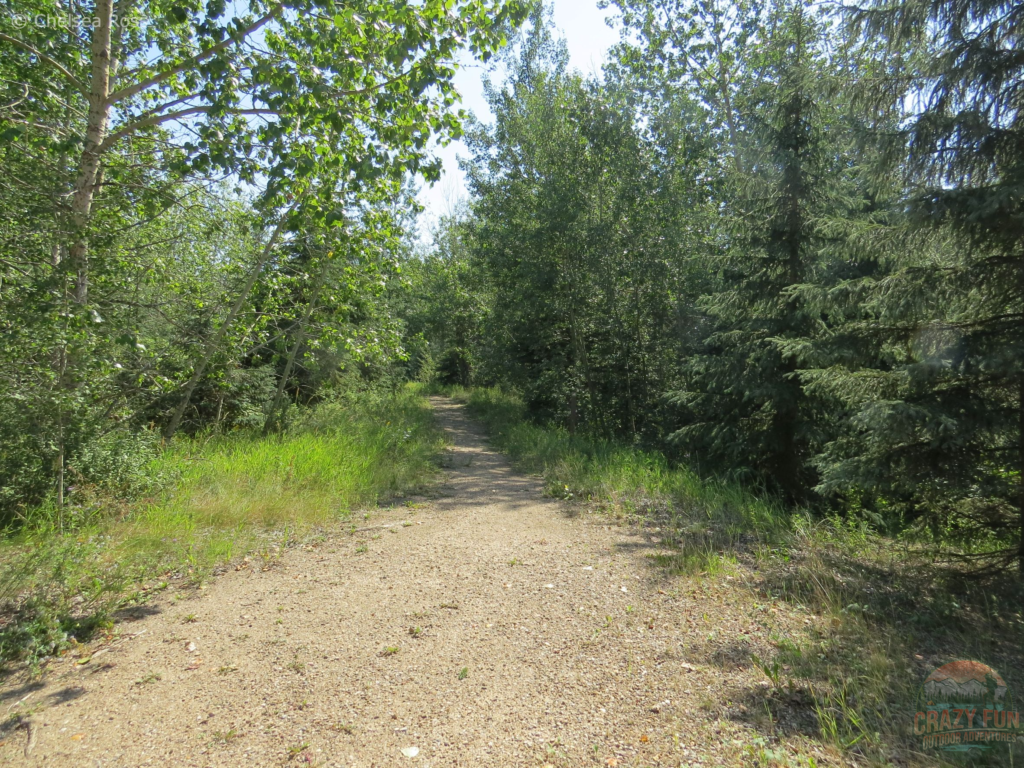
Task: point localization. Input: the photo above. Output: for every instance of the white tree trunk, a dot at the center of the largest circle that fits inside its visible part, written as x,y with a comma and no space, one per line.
96,130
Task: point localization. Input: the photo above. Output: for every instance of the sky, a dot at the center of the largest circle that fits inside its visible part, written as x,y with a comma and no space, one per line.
582,24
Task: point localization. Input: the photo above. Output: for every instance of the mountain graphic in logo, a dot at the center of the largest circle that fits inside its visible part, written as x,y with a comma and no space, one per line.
964,706
964,681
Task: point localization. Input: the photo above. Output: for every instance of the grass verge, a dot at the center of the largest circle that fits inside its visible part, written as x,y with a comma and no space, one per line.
880,614
223,496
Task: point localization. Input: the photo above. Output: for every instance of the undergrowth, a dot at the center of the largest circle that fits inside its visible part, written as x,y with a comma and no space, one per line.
217,497
881,614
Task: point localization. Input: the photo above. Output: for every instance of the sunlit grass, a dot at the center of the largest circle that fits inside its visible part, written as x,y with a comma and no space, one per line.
704,516
220,497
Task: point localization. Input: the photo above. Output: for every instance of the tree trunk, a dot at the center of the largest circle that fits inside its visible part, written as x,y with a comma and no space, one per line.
273,421
1020,477
95,132
214,344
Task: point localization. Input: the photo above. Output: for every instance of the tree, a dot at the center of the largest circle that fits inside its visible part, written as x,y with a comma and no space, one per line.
708,49
118,117
951,421
569,223
745,402
269,92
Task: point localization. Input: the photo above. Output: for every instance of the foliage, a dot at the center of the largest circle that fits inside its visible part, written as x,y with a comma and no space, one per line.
574,224
203,204
214,498
775,242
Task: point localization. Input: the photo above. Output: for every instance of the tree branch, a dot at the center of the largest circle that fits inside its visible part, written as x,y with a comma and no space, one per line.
160,77
46,59
158,119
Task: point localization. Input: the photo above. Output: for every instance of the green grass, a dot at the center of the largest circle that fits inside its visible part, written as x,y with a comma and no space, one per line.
222,497
703,518
882,614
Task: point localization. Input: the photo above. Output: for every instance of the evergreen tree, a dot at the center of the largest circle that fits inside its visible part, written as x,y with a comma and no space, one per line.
744,398
945,435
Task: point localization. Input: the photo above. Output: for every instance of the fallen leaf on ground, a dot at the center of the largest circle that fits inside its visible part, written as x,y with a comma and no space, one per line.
411,751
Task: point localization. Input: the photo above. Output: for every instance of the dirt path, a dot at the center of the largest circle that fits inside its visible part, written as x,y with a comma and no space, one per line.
524,637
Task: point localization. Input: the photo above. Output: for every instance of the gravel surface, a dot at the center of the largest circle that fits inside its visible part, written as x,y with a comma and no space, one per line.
485,627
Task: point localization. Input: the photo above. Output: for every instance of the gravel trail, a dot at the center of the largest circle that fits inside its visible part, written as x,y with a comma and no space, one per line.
484,627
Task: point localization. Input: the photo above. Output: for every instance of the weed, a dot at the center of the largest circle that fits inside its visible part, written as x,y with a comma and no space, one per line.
463,673
771,671
224,737
389,650
190,619
39,629
297,750
152,677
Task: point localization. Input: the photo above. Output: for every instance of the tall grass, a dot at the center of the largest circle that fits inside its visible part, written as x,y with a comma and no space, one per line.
704,518
217,497
882,615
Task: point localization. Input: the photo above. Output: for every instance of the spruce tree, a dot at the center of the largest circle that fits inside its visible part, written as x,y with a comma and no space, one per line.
949,418
744,398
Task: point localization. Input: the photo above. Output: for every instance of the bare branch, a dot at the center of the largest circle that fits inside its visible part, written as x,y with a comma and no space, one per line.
158,119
